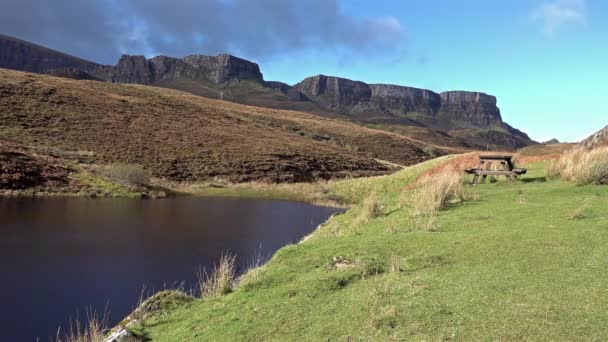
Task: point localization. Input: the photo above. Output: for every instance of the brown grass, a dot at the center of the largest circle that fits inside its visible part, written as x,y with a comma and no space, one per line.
434,192
183,137
454,165
93,329
220,281
577,213
581,166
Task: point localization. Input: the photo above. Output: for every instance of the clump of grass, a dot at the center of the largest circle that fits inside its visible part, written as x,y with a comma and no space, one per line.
372,267
220,281
436,191
426,222
433,193
577,213
521,199
251,275
93,329
159,303
126,174
395,263
392,227
381,309
370,208
581,166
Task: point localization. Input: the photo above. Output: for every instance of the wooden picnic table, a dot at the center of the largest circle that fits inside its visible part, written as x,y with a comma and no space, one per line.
504,167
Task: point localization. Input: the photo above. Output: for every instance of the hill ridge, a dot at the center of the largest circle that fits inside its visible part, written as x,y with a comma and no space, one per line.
469,115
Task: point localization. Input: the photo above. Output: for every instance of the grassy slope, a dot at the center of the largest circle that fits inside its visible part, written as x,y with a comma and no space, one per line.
499,268
544,149
186,137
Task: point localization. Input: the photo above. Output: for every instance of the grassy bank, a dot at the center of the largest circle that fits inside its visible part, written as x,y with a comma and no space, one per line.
522,261
337,193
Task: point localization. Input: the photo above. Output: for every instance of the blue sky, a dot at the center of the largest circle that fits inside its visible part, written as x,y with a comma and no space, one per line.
545,60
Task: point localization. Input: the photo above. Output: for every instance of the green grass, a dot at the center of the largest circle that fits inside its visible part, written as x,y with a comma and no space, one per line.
498,268
103,187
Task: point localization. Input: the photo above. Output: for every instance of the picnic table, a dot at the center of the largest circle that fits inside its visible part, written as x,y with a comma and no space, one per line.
493,166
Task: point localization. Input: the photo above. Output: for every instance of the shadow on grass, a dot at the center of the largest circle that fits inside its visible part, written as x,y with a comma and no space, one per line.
533,179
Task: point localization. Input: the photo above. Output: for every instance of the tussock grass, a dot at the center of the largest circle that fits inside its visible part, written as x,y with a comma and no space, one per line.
252,272
580,166
577,213
220,281
93,329
159,303
126,174
370,209
382,309
395,263
436,191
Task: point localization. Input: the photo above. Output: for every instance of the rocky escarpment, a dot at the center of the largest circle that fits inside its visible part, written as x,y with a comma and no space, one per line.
335,93
598,139
199,68
238,80
387,97
470,108
453,109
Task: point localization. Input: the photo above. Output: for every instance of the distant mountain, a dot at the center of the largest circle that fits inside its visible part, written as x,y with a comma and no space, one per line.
551,142
597,139
461,119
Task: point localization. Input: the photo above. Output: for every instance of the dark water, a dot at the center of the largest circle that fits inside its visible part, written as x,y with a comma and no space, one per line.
59,257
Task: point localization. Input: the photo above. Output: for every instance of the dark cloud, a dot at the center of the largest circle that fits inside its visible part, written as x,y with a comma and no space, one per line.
100,30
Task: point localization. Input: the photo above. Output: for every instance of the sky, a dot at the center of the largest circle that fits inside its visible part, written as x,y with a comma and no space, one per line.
545,60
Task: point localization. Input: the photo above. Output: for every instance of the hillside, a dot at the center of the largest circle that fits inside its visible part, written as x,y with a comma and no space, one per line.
465,119
21,55
597,139
182,137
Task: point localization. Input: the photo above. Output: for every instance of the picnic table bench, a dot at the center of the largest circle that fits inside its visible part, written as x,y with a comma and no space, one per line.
504,167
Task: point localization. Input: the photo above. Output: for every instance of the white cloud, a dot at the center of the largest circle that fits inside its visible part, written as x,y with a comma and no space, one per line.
556,14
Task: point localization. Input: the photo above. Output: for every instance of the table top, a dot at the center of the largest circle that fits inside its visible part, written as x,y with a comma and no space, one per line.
496,156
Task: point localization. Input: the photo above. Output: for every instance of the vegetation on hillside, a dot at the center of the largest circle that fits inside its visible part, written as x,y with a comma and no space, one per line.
581,166
182,137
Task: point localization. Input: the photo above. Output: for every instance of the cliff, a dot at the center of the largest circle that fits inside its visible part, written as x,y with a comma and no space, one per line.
474,108
199,68
448,110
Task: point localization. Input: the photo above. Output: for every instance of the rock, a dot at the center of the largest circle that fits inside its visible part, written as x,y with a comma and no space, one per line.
216,69
407,99
333,92
120,334
133,69
597,139
445,111
475,108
